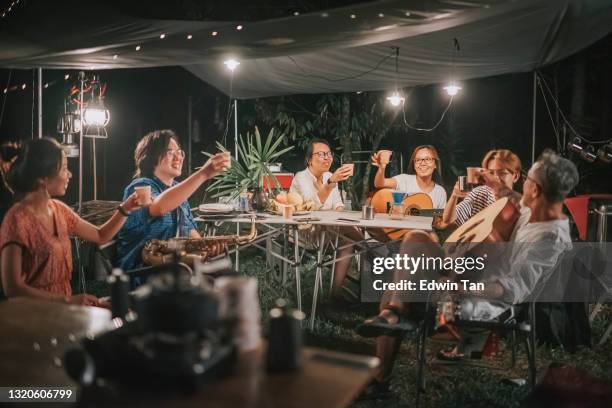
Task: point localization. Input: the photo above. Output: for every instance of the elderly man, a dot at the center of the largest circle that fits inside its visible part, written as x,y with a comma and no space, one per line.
539,238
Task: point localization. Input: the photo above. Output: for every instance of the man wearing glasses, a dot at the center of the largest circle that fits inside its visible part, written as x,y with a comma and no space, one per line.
159,160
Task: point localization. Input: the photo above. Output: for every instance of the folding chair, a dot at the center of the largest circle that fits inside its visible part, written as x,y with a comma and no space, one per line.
525,327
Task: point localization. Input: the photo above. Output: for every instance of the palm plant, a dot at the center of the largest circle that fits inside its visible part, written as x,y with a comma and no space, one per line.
251,169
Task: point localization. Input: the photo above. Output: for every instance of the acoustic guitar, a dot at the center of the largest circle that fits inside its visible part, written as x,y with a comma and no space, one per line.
383,199
493,224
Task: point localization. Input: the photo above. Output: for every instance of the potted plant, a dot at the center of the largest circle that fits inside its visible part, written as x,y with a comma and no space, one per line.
251,169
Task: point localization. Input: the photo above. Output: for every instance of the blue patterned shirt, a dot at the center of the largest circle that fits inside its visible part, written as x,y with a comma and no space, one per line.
140,227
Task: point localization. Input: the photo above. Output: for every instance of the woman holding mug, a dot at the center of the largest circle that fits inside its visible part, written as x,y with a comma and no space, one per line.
425,169
36,259
504,165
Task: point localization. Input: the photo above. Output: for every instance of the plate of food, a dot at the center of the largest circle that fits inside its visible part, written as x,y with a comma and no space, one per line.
215,208
301,212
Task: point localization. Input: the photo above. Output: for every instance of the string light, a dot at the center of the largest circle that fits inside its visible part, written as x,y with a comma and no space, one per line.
296,13
162,36
189,36
138,48
23,86
231,64
407,14
214,33
353,16
115,56
239,27
452,89
66,77
324,15
396,98
381,15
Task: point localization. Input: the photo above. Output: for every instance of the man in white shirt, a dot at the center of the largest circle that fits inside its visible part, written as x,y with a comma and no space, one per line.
540,237
318,184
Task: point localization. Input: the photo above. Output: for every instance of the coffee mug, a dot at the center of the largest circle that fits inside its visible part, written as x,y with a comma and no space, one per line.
144,195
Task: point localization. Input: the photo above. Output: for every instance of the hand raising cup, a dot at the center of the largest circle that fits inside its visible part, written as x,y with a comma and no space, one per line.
342,173
217,164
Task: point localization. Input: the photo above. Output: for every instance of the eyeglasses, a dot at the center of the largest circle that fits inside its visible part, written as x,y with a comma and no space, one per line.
323,155
170,153
426,160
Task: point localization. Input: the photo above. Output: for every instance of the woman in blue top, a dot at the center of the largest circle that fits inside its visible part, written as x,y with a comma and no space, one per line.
159,160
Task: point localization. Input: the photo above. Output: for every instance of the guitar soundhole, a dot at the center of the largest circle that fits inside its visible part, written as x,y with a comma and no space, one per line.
414,211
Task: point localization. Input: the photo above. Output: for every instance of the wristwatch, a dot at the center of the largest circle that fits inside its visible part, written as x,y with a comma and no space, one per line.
331,182
122,210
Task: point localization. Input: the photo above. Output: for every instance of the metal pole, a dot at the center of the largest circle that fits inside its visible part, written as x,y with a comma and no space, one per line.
82,80
533,124
189,135
236,156
40,103
236,128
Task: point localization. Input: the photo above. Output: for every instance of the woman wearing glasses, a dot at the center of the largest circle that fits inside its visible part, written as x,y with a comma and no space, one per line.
318,184
159,160
425,163
502,163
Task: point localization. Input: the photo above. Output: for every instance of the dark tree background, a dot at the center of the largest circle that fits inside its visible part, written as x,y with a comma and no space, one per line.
489,113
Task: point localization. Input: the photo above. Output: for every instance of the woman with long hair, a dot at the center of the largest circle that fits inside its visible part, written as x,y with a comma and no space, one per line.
36,258
424,178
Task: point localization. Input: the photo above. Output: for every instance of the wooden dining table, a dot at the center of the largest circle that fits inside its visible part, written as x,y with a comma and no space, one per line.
35,335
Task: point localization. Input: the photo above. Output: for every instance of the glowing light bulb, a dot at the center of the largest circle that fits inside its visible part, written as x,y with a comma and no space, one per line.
396,99
162,36
452,89
189,37
231,64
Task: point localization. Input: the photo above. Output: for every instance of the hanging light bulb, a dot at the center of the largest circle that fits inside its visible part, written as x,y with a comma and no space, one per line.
588,154
231,64
396,99
575,145
452,89
605,153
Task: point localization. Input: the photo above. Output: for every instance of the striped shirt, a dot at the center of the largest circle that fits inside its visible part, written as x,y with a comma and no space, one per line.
477,200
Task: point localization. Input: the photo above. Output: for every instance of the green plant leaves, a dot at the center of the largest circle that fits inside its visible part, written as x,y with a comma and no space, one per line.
251,168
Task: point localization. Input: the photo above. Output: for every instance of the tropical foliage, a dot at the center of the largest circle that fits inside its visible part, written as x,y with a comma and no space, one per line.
251,169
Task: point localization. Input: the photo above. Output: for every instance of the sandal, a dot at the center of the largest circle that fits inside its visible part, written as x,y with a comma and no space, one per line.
445,355
379,326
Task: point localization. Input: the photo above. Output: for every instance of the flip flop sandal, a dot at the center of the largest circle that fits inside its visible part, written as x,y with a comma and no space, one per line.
455,358
379,326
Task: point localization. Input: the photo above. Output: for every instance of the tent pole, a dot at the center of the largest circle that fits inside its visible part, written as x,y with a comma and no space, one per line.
236,128
237,263
40,102
189,135
82,81
533,120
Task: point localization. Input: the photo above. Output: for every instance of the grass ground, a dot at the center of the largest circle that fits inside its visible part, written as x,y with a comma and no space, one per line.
446,386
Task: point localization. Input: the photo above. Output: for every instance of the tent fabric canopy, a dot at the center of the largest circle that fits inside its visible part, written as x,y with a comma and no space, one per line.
340,50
